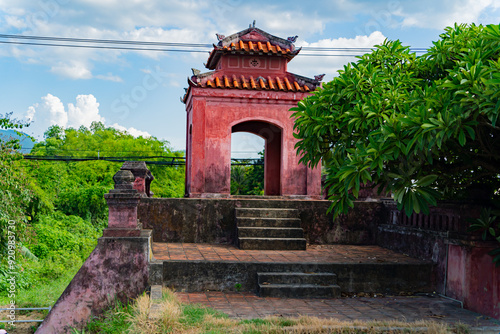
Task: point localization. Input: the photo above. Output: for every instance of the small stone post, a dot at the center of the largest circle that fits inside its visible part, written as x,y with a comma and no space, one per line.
122,203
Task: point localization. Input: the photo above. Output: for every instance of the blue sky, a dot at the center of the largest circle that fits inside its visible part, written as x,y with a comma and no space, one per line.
139,91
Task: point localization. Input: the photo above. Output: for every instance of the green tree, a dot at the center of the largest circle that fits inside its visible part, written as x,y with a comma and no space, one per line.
78,187
238,180
421,127
255,177
248,180
15,193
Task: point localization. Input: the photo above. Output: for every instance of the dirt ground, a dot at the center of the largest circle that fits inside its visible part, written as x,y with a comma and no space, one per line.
22,327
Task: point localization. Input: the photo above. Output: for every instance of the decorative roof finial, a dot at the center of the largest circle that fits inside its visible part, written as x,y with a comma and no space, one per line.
292,38
319,77
253,24
220,37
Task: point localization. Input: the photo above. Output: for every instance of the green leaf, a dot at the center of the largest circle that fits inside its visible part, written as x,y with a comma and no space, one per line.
426,180
461,138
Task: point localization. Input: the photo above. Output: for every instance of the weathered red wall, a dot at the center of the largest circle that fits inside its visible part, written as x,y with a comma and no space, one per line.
117,269
211,115
474,279
463,268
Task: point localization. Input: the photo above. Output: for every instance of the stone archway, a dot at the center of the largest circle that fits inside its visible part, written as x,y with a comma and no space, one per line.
248,90
273,137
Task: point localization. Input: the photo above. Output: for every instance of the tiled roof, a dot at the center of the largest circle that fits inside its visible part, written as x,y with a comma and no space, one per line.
241,47
251,41
292,83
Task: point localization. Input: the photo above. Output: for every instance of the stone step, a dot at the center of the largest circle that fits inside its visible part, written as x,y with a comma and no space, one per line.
266,213
299,290
223,275
273,243
323,279
270,232
268,222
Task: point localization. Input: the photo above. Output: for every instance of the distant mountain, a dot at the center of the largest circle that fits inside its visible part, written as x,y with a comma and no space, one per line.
24,139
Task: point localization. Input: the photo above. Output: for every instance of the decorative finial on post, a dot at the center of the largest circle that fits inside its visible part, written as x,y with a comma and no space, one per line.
122,203
142,177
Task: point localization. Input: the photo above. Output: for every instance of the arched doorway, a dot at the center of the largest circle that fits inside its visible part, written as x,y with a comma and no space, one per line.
248,89
272,135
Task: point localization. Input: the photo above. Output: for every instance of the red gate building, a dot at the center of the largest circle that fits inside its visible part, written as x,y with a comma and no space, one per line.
250,90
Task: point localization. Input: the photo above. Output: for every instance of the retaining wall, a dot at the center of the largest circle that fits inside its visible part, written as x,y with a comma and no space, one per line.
464,270
205,220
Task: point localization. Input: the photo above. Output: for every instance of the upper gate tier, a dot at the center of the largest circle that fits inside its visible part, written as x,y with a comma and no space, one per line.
252,59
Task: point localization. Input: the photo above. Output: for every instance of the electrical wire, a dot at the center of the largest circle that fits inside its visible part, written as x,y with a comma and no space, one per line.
172,162
186,47
107,41
103,47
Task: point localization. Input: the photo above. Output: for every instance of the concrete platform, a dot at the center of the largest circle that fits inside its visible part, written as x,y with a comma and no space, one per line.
202,267
383,308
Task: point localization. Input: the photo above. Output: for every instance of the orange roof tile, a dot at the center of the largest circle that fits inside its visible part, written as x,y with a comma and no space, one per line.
280,85
270,83
242,47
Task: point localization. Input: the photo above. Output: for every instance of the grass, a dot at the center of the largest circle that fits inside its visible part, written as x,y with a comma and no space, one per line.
43,295
168,315
114,320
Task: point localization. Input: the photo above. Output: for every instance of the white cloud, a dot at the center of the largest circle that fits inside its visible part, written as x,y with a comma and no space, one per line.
197,21
440,14
56,110
15,22
51,111
45,114
109,77
73,70
133,131
290,21
310,66
84,112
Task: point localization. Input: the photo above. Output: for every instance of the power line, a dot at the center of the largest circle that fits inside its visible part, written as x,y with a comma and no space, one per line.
113,44
102,47
172,160
106,41
114,151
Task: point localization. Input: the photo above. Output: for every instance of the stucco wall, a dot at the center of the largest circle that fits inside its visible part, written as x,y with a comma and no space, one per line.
212,113
117,269
463,270
473,278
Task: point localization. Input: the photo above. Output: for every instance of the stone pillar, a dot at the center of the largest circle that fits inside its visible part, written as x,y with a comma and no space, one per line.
142,177
122,203
117,269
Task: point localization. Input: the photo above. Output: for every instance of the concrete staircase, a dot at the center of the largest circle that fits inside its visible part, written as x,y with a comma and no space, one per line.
269,229
297,285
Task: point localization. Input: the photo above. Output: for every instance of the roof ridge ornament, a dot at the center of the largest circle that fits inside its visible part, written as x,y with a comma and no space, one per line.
252,25
319,77
292,39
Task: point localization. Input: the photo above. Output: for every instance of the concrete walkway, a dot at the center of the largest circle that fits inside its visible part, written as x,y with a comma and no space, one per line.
246,305
313,254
